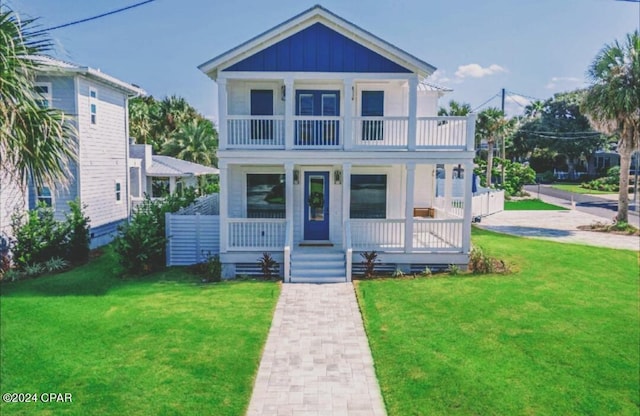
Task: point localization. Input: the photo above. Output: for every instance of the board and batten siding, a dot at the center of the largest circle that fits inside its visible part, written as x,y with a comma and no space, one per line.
103,153
191,239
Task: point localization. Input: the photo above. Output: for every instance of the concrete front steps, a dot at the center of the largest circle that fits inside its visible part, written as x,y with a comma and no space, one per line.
318,265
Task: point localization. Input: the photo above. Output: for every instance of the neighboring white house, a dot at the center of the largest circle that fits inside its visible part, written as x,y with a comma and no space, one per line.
98,105
329,146
156,175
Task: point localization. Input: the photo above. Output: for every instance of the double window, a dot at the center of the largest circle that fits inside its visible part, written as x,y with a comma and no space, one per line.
368,196
42,93
118,192
93,105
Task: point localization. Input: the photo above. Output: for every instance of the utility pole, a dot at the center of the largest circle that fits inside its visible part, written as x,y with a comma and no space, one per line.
504,138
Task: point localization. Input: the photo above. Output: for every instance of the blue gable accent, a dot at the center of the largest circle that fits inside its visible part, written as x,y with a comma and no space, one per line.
317,49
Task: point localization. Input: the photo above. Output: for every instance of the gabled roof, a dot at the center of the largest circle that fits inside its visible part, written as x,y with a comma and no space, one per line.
49,65
170,166
305,19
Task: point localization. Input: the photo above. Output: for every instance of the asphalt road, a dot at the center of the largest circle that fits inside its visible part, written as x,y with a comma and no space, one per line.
591,204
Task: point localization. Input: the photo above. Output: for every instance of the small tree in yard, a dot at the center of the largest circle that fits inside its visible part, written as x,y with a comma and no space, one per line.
267,265
369,262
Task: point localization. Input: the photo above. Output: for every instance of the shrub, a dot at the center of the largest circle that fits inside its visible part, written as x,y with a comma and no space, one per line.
212,268
34,270
267,265
516,175
453,270
141,243
397,273
79,236
55,265
426,272
369,263
481,263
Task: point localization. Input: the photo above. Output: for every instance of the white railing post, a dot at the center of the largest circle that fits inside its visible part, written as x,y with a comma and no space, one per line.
346,191
348,249
413,111
289,100
448,188
348,113
471,132
167,235
222,113
224,192
408,211
468,207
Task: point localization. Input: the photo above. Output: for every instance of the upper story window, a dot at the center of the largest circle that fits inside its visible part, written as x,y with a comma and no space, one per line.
93,105
368,196
118,192
44,195
43,94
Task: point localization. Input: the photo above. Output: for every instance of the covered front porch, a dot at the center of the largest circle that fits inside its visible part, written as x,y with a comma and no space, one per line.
410,213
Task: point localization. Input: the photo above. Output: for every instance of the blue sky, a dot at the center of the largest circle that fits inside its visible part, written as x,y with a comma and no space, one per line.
530,47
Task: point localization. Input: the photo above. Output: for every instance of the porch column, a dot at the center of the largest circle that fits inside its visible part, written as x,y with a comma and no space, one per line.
413,111
346,196
224,187
172,185
448,187
288,189
471,132
289,99
408,208
222,113
348,114
468,207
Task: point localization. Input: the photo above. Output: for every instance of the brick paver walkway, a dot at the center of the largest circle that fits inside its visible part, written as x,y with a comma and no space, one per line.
317,359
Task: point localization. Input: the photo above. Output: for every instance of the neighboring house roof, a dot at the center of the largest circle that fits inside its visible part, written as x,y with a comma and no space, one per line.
49,65
304,20
170,166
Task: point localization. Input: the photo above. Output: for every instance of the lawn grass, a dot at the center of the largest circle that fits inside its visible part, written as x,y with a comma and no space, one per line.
576,189
530,205
158,345
560,336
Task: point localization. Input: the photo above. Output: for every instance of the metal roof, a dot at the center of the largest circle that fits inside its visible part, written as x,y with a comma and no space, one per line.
170,166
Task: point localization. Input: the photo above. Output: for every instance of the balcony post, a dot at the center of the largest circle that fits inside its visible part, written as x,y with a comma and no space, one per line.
348,128
471,132
222,113
224,201
289,99
468,207
408,209
288,189
346,194
413,111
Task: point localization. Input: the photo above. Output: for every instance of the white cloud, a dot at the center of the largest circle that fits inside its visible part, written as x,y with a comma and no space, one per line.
565,81
514,104
439,76
477,71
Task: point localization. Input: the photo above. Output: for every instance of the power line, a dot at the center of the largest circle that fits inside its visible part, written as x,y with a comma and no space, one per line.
485,103
75,22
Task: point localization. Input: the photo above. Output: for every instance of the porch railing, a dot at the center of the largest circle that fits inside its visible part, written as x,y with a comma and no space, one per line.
441,235
452,208
441,132
256,234
317,131
255,131
387,132
377,234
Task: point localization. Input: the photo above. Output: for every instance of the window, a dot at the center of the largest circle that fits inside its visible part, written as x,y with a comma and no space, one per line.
261,105
372,106
118,192
159,187
42,94
93,105
265,195
44,195
368,196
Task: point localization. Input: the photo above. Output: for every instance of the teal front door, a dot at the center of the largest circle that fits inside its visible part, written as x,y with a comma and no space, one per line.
316,205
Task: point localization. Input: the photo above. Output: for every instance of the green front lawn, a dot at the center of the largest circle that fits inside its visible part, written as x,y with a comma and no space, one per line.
558,337
158,345
530,205
576,189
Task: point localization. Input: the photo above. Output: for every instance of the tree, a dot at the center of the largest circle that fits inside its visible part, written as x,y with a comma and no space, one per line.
613,104
35,142
455,109
534,109
195,141
491,124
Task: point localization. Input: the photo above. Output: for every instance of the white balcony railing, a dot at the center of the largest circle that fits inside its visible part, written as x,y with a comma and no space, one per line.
377,234
440,235
268,132
256,234
317,132
255,132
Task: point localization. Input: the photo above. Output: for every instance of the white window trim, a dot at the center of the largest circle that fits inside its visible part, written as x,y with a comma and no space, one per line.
93,101
48,96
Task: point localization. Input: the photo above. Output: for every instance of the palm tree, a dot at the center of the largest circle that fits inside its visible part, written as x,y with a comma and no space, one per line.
35,142
491,124
534,109
142,112
195,141
455,109
612,104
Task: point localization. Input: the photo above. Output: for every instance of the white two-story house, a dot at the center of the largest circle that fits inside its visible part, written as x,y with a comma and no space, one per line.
97,104
330,146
